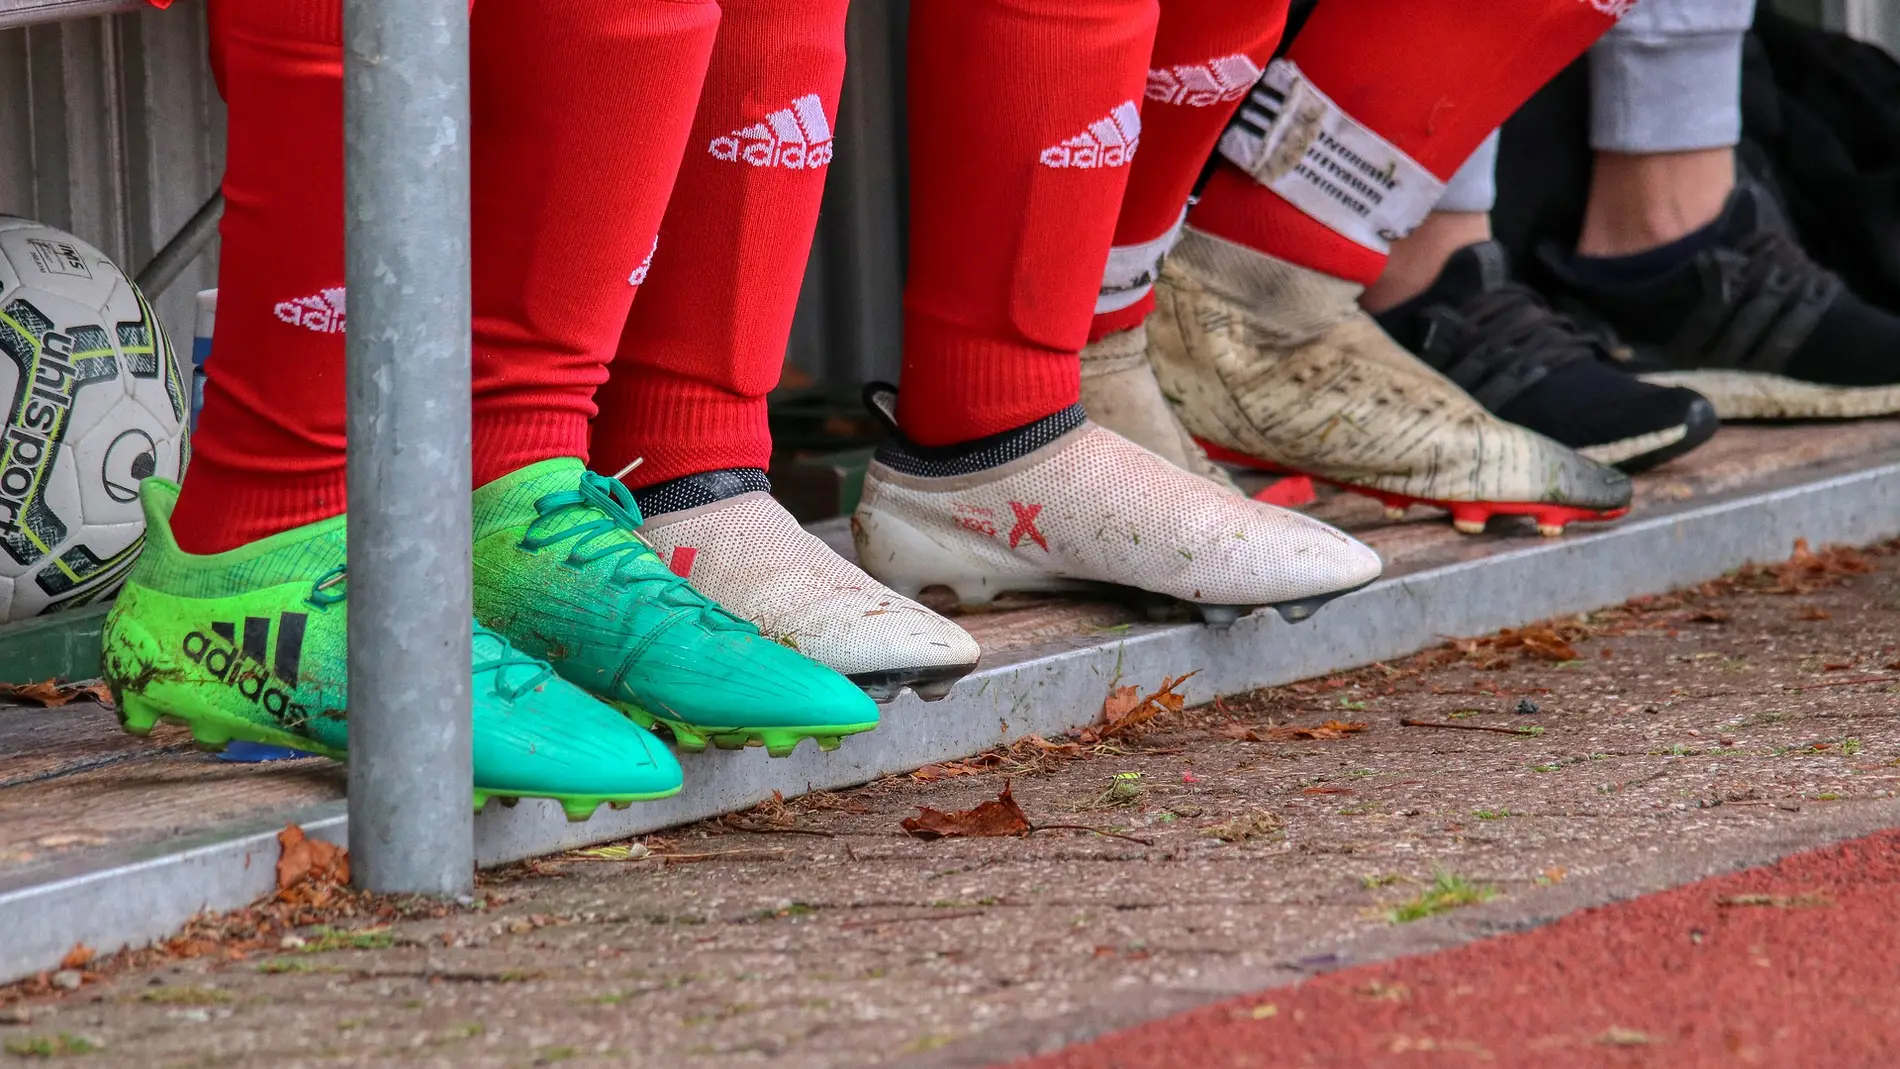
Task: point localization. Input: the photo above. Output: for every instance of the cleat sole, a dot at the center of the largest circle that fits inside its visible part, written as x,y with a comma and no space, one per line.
213,733
1219,617
930,682
1468,517
777,741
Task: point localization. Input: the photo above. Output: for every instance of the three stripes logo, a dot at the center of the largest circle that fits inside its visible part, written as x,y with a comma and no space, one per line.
796,138
1203,85
1108,142
326,312
263,672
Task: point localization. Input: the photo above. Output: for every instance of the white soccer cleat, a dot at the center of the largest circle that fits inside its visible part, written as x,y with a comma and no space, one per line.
752,557
1089,508
1119,392
1274,365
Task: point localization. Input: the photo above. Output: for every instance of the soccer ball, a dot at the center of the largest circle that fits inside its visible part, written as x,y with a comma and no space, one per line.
94,402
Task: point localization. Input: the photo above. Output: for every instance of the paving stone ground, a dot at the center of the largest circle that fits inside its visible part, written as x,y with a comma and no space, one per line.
1692,734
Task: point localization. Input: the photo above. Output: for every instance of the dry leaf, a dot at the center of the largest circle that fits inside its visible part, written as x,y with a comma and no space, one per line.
52,694
1123,711
1327,790
1121,701
1547,644
78,957
1813,613
1331,729
309,868
989,820
1251,826
1236,730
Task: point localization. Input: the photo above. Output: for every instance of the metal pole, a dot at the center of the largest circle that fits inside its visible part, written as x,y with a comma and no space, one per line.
170,262
406,181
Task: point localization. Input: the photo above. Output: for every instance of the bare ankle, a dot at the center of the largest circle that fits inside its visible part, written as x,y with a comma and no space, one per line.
1640,202
1420,256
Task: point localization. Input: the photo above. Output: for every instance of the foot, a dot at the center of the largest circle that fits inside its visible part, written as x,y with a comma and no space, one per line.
1744,318
752,557
1119,392
1276,366
1499,342
249,646
1066,505
560,571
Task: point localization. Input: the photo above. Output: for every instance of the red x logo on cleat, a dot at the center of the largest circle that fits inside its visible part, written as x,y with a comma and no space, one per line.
1026,525
682,562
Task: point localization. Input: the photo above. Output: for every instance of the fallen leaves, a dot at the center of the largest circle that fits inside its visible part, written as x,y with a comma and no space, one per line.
1813,612
78,957
1126,708
1809,900
52,694
1805,570
1331,729
1002,817
1258,825
310,871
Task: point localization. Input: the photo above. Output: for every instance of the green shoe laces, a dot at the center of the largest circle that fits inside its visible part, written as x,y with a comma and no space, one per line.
610,534
491,652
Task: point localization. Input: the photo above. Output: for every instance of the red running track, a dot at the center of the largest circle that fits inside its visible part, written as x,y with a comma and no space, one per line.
1794,965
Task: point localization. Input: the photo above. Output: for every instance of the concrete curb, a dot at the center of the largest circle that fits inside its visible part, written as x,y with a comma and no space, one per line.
1049,691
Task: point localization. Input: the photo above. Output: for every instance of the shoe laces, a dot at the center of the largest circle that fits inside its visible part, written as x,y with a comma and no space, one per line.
1511,327
603,520
491,652
1769,262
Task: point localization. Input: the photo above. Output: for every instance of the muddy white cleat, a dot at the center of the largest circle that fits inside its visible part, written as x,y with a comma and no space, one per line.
1119,392
1081,507
1275,366
751,556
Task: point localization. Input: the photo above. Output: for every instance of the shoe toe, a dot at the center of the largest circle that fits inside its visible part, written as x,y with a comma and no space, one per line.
745,680
1581,482
556,739
896,637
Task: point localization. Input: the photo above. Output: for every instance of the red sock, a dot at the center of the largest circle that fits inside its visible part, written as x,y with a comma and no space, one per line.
706,339
1022,122
268,453
562,214
1433,80
1207,55
581,112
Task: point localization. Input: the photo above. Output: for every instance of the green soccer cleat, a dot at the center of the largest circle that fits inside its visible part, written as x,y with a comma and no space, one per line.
561,572
250,645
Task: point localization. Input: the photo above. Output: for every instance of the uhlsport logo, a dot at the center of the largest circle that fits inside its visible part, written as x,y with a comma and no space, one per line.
46,393
265,675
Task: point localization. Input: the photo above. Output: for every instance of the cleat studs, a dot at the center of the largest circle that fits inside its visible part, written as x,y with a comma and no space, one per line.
882,692
731,741
1550,530
1394,512
828,743
579,810
210,736
779,743
1219,617
509,800
936,690
619,805
481,801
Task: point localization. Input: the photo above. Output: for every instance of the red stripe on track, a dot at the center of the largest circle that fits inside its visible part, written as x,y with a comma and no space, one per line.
1795,964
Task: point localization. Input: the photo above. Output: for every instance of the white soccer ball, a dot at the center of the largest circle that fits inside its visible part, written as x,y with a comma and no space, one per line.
92,401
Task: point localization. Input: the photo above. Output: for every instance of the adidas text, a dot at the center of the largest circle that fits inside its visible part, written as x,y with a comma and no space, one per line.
796,138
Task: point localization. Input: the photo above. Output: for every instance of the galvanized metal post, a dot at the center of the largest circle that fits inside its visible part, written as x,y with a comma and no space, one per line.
406,145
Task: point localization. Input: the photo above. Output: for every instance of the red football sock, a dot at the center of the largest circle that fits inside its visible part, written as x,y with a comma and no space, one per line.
1207,55
581,112
562,214
1433,80
268,453
706,339
1023,119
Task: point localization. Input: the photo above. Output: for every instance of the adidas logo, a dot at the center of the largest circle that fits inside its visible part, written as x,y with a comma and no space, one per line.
1108,142
1203,85
797,138
322,312
639,276
240,663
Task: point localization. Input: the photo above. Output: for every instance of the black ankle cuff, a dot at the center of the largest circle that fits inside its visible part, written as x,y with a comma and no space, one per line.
700,488
978,454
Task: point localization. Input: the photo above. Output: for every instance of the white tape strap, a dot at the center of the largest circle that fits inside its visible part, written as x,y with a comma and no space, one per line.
1132,269
1295,141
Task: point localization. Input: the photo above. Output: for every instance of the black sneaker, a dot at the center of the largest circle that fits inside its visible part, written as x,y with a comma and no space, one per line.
1502,344
1749,322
